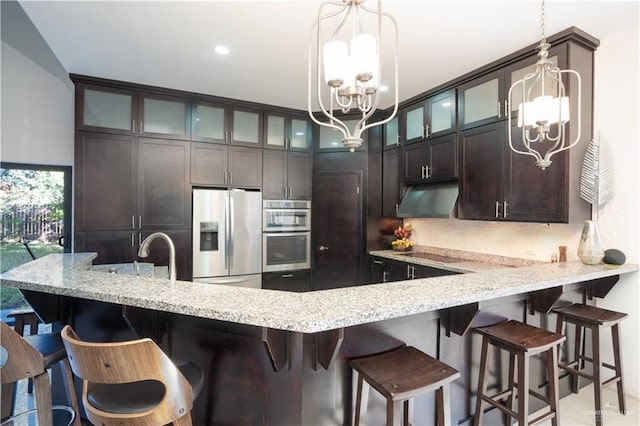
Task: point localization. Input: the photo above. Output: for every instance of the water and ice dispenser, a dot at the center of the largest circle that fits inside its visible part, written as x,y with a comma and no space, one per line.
208,236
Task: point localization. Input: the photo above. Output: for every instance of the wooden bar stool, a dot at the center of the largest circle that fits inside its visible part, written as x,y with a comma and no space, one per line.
31,357
594,319
401,375
132,383
521,341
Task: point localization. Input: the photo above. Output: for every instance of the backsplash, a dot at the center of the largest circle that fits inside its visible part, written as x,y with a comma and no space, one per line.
535,241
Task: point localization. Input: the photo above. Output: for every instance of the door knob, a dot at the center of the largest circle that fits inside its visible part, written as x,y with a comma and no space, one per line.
323,248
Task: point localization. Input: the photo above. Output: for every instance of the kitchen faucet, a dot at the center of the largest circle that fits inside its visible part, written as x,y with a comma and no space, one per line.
144,252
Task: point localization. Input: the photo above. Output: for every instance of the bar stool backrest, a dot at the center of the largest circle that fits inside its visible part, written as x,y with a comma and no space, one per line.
128,362
21,360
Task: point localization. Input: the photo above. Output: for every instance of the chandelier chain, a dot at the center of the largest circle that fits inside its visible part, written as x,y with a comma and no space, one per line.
542,17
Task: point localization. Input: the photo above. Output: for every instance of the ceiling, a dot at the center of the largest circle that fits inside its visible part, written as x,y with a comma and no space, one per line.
170,44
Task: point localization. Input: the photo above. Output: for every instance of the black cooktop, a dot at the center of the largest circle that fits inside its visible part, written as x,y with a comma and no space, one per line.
434,257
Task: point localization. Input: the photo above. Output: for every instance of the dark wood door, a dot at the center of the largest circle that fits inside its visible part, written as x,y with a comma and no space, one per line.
533,194
391,186
338,228
443,157
274,174
299,175
481,172
416,159
164,191
105,182
208,163
111,246
245,167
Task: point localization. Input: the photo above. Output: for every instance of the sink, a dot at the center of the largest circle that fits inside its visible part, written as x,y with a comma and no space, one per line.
145,269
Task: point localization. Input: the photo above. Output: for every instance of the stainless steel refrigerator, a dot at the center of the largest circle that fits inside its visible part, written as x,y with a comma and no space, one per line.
227,233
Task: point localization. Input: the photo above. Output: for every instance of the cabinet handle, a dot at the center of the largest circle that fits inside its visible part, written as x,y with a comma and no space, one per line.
426,172
140,222
497,208
426,130
397,140
141,128
385,276
133,222
499,109
506,108
139,238
230,136
133,125
505,209
290,192
397,207
133,244
287,275
230,178
378,262
421,172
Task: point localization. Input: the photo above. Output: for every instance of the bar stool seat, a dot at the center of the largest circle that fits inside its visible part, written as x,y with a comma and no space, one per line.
594,319
521,341
401,375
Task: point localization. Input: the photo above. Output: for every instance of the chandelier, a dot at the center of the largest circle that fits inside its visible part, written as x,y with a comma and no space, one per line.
349,59
544,110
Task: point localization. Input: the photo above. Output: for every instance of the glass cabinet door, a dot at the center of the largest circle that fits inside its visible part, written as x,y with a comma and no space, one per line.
245,127
208,123
391,134
442,113
106,110
414,123
164,116
276,132
481,100
300,138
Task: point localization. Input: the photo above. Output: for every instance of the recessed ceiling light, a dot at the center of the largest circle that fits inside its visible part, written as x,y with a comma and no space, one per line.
222,50
384,87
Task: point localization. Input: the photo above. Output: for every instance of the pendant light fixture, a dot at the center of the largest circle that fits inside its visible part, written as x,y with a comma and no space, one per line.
348,73
544,110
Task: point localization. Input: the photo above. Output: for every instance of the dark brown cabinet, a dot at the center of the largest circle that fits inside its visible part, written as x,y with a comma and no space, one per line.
223,165
498,184
391,185
105,182
383,270
286,175
431,160
296,281
111,246
226,124
114,110
435,116
164,193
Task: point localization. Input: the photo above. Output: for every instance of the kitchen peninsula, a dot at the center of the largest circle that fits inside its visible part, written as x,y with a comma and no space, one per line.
301,377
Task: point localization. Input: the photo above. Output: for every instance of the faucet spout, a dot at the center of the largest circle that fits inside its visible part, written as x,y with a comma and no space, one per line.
144,251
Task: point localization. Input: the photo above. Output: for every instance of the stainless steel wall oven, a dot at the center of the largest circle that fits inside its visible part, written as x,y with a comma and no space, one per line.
286,237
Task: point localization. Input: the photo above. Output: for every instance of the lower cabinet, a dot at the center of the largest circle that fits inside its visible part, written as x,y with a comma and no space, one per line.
298,281
384,270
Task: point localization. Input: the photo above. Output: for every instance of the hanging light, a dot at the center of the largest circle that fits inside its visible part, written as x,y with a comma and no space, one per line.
350,60
544,110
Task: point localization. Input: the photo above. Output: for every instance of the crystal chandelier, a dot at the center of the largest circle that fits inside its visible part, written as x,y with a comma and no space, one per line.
544,110
351,68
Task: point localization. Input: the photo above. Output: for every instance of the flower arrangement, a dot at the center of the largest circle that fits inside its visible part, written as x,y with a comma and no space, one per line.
402,233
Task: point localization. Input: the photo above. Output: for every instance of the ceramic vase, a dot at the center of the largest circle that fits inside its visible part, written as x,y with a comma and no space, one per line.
590,249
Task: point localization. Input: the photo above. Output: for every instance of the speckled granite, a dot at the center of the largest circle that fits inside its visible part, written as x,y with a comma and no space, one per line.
68,274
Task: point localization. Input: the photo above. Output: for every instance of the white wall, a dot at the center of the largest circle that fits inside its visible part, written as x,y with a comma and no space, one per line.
37,113
617,118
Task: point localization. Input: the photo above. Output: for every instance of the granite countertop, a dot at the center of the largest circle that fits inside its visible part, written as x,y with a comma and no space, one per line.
71,275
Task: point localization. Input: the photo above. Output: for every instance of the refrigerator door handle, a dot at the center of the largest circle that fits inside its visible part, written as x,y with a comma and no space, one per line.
225,219
230,233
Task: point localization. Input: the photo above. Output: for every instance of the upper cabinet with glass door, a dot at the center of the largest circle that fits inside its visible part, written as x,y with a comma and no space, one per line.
220,123
484,100
433,117
114,110
287,132
106,110
391,134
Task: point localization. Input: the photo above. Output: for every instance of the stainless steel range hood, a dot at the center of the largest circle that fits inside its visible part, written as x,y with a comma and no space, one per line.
432,200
